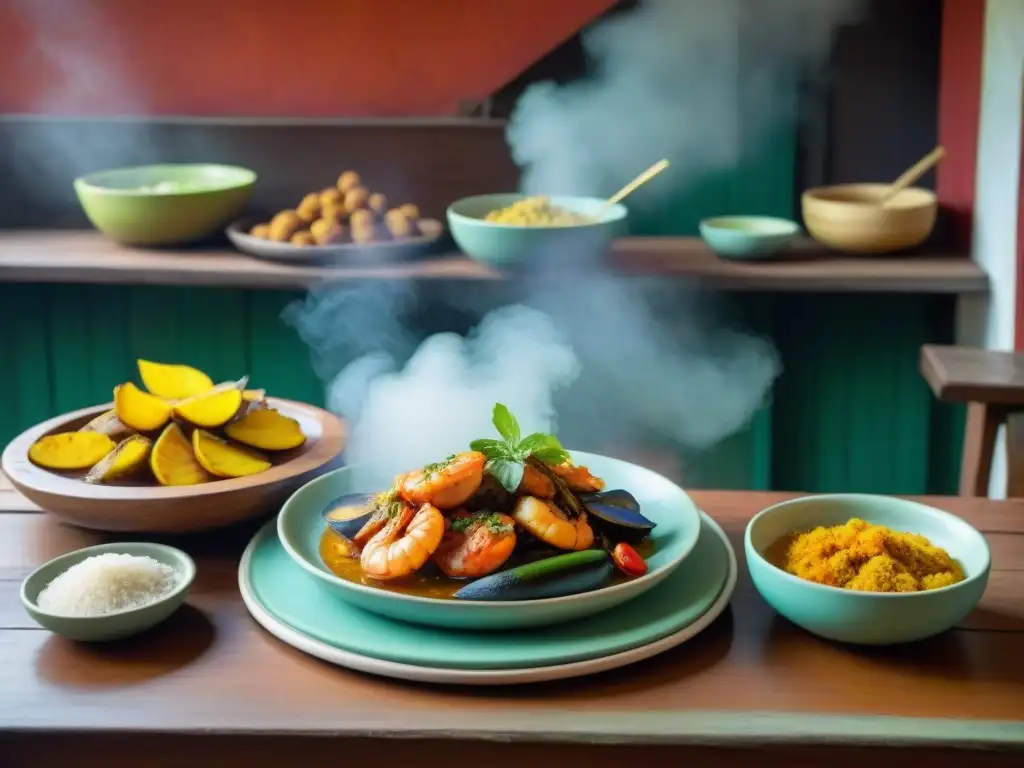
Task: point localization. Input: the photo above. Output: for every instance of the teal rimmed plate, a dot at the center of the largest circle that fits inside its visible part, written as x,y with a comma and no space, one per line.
300,527
297,609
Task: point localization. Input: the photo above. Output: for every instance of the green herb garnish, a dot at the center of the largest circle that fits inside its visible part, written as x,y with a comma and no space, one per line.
438,466
506,458
491,519
389,503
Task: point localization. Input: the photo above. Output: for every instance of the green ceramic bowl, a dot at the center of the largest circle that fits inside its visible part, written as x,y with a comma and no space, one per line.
748,237
169,204
867,618
507,245
112,626
300,527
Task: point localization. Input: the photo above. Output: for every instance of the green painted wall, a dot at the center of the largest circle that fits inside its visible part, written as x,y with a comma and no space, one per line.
850,411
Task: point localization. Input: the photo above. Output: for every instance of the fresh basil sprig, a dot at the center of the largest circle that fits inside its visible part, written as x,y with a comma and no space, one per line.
506,458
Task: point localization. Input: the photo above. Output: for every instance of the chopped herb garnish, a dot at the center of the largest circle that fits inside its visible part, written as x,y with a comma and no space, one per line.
389,503
506,458
492,520
438,466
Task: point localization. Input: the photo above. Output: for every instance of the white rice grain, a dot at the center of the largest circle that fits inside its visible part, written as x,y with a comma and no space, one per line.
107,583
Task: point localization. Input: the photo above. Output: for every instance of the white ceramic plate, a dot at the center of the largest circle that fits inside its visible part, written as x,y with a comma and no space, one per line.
400,671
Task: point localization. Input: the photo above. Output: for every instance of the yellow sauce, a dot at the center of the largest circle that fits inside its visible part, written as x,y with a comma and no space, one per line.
428,581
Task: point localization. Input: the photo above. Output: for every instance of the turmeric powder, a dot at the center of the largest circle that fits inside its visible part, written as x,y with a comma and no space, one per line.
867,558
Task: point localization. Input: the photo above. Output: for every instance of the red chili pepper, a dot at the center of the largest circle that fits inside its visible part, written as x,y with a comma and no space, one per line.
628,560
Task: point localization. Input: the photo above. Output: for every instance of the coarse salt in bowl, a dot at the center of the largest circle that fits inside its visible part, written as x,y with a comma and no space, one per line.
109,591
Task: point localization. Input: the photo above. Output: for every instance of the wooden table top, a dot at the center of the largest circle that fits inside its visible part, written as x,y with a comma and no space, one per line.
69,256
211,682
966,374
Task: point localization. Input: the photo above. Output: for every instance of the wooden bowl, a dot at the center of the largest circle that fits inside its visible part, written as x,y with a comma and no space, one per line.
176,509
848,218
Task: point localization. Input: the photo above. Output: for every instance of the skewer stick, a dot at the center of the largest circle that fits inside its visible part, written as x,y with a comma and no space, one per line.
643,178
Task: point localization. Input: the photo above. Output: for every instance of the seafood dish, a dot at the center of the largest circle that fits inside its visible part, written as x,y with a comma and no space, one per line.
537,212
512,518
346,212
177,429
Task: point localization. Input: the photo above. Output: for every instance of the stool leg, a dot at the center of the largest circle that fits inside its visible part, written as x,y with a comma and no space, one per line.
983,423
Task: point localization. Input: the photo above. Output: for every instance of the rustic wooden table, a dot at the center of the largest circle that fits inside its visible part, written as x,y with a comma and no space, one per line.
211,687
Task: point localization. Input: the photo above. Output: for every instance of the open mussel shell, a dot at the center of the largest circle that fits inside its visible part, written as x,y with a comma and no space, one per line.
616,514
347,514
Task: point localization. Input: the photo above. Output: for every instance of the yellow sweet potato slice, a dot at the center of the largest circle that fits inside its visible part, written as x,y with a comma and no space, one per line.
221,458
172,459
266,429
70,450
128,457
173,382
140,410
213,408
108,424
254,395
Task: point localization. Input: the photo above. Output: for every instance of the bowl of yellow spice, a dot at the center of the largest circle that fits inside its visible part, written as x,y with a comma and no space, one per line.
506,230
868,570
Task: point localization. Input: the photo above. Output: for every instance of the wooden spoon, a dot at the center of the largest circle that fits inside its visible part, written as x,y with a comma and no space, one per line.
643,178
912,174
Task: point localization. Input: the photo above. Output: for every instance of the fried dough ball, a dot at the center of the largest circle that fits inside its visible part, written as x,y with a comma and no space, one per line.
348,180
303,238
327,232
284,225
309,208
261,231
361,219
356,198
377,203
334,212
397,223
331,196
411,211
363,234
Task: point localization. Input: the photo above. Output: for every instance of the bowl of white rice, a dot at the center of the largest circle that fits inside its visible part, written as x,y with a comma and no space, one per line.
108,592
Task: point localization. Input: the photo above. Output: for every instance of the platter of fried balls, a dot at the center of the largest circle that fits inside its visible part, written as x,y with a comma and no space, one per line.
340,220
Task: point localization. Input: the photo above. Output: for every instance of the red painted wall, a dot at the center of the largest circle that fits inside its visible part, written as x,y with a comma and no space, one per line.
963,39
267,57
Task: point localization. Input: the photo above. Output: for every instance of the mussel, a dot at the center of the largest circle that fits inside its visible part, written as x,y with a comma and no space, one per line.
616,513
348,513
566,574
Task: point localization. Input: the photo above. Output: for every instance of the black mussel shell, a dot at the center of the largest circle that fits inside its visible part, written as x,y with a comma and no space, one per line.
491,495
616,513
341,513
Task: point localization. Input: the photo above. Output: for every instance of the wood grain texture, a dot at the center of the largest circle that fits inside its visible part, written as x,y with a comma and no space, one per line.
969,375
751,679
175,509
87,257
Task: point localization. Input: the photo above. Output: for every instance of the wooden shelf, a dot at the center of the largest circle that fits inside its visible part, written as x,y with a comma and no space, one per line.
61,256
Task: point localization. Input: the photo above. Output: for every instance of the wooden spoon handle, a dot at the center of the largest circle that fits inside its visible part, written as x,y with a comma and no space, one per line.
643,178
915,172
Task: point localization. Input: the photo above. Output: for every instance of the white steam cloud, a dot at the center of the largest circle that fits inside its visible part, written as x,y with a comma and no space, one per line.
617,360
667,82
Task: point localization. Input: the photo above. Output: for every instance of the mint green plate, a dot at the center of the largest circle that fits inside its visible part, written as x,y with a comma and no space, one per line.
300,527
269,578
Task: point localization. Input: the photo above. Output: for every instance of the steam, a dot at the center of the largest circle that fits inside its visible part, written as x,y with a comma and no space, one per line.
667,82
617,360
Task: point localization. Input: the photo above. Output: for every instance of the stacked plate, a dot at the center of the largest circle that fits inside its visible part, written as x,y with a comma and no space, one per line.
295,597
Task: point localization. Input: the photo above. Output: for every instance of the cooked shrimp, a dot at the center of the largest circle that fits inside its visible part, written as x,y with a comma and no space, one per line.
536,483
447,484
404,544
578,479
476,545
551,525
384,503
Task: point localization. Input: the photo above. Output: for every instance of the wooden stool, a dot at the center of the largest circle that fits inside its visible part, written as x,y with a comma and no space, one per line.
992,385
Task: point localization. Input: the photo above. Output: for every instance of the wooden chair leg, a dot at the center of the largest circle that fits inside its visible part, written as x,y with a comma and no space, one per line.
983,423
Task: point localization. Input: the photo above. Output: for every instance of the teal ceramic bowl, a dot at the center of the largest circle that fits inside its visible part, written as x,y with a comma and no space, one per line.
112,626
157,205
748,237
300,527
867,618
507,245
